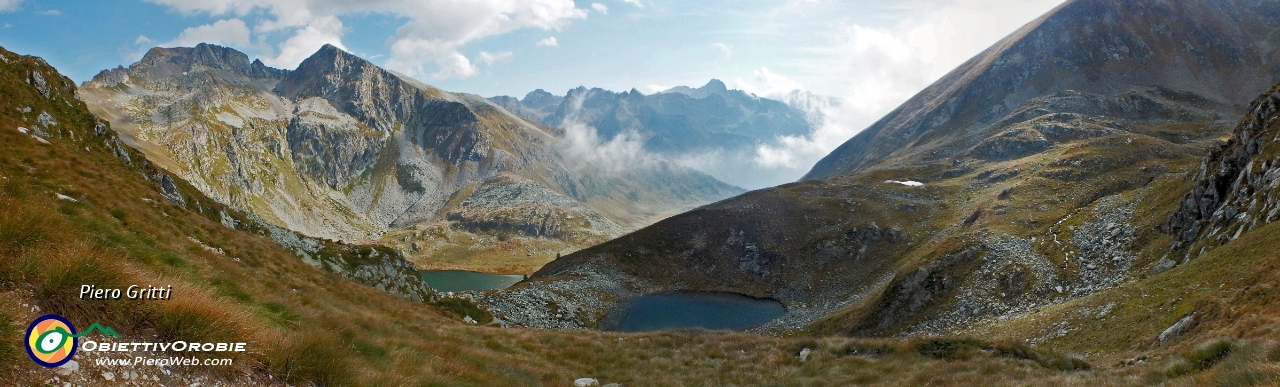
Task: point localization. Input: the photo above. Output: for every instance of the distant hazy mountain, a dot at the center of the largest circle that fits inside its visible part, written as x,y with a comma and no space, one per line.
678,123
340,148
535,106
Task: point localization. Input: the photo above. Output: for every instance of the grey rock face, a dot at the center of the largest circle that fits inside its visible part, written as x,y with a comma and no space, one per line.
1235,189
330,146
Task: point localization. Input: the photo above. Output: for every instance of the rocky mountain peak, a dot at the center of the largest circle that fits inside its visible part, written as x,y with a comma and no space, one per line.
714,86
164,62
540,99
329,61
376,97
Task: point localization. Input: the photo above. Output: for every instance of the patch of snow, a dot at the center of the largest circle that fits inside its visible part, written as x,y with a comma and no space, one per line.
24,130
67,198
41,140
909,183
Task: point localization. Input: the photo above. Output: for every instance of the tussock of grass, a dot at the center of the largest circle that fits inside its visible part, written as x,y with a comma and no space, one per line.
868,349
311,357
196,319
464,308
1042,357
948,348
11,331
1200,358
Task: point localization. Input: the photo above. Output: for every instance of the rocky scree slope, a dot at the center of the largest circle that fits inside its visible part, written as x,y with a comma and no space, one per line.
1044,199
341,149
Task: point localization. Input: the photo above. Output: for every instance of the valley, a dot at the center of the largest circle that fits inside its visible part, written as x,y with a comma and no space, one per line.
343,150
1091,201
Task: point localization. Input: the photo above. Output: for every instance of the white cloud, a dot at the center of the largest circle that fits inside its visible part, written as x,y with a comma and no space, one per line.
306,41
550,41
725,49
768,84
636,3
490,58
582,143
142,39
52,12
654,88
455,66
9,5
426,44
230,32
601,8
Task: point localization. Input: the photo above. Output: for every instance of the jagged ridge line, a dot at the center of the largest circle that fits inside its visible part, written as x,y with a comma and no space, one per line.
105,330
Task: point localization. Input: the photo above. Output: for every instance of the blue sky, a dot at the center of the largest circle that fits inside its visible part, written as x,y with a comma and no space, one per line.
870,55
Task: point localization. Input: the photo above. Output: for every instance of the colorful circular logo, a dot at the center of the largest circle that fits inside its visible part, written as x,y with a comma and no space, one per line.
51,340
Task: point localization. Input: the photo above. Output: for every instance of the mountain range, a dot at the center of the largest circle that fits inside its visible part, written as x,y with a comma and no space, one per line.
712,128
344,150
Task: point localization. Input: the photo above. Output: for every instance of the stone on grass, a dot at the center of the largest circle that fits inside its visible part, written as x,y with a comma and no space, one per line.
1176,328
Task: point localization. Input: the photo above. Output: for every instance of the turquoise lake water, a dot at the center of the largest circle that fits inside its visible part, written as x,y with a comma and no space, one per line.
685,310
460,280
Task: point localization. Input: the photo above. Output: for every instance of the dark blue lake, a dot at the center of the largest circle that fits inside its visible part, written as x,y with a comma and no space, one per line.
460,280
684,310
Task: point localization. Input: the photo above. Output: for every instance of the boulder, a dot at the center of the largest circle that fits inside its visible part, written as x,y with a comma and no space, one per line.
68,368
1176,328
586,382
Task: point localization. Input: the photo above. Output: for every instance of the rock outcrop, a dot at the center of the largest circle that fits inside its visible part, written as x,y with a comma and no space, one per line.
1236,187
